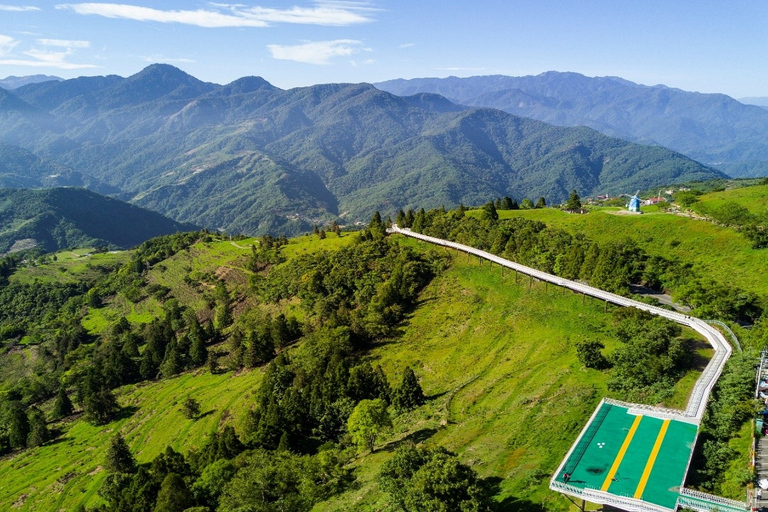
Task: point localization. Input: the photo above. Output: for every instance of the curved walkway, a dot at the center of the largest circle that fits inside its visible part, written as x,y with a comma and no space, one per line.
697,403
692,414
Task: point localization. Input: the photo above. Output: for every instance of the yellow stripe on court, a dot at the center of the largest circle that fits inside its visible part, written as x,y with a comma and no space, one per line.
620,455
651,460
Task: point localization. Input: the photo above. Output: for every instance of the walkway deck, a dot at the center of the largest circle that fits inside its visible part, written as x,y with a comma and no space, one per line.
647,470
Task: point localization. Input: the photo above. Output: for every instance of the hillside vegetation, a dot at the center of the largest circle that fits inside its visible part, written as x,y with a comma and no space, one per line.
710,128
249,157
196,363
53,219
468,412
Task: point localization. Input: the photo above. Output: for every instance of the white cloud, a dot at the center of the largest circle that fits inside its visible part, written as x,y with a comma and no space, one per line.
167,60
226,15
64,43
7,43
318,52
51,63
44,57
18,8
407,45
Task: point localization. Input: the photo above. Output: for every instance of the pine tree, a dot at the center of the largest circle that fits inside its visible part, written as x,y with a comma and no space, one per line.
148,367
100,406
119,458
541,203
62,407
506,203
574,202
38,428
213,362
16,424
409,395
400,219
174,496
172,363
191,408
198,353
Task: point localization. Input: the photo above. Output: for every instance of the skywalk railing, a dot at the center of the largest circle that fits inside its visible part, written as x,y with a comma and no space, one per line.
697,402
691,498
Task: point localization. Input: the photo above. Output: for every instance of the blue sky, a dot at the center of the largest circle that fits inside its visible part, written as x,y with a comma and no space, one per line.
706,46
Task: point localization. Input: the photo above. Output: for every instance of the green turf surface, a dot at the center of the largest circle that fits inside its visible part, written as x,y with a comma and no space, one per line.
591,460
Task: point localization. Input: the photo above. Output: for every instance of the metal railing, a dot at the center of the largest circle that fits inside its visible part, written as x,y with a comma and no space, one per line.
702,388
688,495
697,402
728,330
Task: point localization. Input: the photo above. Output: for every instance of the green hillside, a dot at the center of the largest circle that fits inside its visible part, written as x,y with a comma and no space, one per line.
495,356
720,252
53,219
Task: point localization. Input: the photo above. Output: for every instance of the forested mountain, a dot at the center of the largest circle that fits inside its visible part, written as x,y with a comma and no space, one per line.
250,157
711,128
73,217
21,169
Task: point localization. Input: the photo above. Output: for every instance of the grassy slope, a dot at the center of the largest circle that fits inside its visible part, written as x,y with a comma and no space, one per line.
754,198
63,474
71,267
498,359
715,251
508,393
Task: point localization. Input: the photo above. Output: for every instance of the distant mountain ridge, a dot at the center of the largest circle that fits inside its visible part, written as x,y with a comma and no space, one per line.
14,82
250,157
74,217
711,128
22,169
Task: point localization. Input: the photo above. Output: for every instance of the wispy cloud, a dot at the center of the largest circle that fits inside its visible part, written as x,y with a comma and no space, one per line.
317,52
18,8
407,45
7,43
235,15
167,60
64,43
52,53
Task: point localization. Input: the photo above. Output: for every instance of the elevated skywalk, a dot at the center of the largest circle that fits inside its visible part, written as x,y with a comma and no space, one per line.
631,456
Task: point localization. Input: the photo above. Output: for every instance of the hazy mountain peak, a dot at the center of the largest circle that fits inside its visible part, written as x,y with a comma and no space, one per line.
14,82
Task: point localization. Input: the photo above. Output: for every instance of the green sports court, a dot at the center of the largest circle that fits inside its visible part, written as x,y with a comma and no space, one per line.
630,455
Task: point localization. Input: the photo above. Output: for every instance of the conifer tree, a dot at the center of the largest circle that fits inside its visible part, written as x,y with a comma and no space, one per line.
62,407
409,395
198,352
541,203
38,428
16,424
174,496
119,458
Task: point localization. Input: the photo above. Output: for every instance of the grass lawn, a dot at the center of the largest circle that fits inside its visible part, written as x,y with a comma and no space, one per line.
714,251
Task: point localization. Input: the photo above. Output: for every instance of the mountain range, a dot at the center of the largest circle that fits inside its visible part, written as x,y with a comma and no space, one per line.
14,82
250,157
711,128
54,219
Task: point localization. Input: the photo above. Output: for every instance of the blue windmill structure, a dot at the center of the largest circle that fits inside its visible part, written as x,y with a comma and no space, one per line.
634,203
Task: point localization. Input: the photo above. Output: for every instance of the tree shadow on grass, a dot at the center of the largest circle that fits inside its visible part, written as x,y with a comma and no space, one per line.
491,486
436,396
419,436
205,414
125,412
